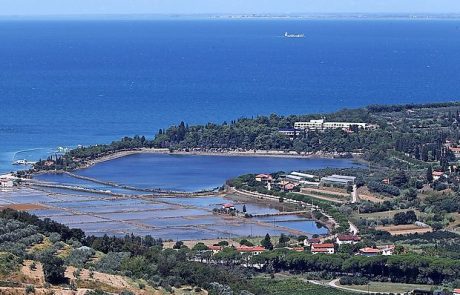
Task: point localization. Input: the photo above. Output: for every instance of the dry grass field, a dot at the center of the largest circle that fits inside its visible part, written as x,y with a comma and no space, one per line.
396,230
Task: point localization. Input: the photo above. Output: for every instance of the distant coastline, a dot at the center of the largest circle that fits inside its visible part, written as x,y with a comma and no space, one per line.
236,16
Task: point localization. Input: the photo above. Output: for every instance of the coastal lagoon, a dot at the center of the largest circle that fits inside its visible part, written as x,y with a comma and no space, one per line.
180,217
188,172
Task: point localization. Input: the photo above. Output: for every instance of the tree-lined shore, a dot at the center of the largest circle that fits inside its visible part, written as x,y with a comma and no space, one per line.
409,136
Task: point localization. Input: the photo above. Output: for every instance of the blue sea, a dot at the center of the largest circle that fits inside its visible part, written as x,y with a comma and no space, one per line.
64,83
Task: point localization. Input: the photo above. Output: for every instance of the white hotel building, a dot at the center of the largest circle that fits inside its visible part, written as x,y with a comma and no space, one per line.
321,125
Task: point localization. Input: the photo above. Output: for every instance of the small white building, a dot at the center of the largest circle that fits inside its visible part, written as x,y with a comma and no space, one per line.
387,250
437,174
6,183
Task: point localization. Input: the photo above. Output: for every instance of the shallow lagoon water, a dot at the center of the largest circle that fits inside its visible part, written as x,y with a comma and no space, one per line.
191,172
65,179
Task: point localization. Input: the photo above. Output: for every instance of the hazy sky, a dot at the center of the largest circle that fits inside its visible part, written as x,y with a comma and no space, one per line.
79,7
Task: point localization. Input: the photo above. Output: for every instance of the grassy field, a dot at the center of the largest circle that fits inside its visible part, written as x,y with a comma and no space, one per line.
389,287
294,286
404,229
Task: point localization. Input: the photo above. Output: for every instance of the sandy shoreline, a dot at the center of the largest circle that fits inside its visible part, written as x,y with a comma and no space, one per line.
258,153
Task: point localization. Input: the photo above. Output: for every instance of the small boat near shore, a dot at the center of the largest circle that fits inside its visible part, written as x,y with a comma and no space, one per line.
287,35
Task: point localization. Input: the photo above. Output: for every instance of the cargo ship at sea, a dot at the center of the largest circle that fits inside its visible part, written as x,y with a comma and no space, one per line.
287,35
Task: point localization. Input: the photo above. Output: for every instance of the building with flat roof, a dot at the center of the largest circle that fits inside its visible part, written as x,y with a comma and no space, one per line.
291,132
294,178
304,175
323,125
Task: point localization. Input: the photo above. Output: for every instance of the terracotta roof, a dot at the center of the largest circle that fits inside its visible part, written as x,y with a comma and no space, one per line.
326,245
457,291
289,186
228,205
263,176
368,250
250,249
298,249
215,248
455,149
438,173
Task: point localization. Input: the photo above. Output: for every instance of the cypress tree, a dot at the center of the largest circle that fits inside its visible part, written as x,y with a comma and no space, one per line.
266,242
429,174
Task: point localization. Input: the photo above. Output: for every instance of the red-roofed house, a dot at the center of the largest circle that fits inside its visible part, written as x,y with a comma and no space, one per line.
289,187
48,163
327,248
369,251
255,250
264,178
228,206
437,174
456,292
215,249
347,239
456,151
